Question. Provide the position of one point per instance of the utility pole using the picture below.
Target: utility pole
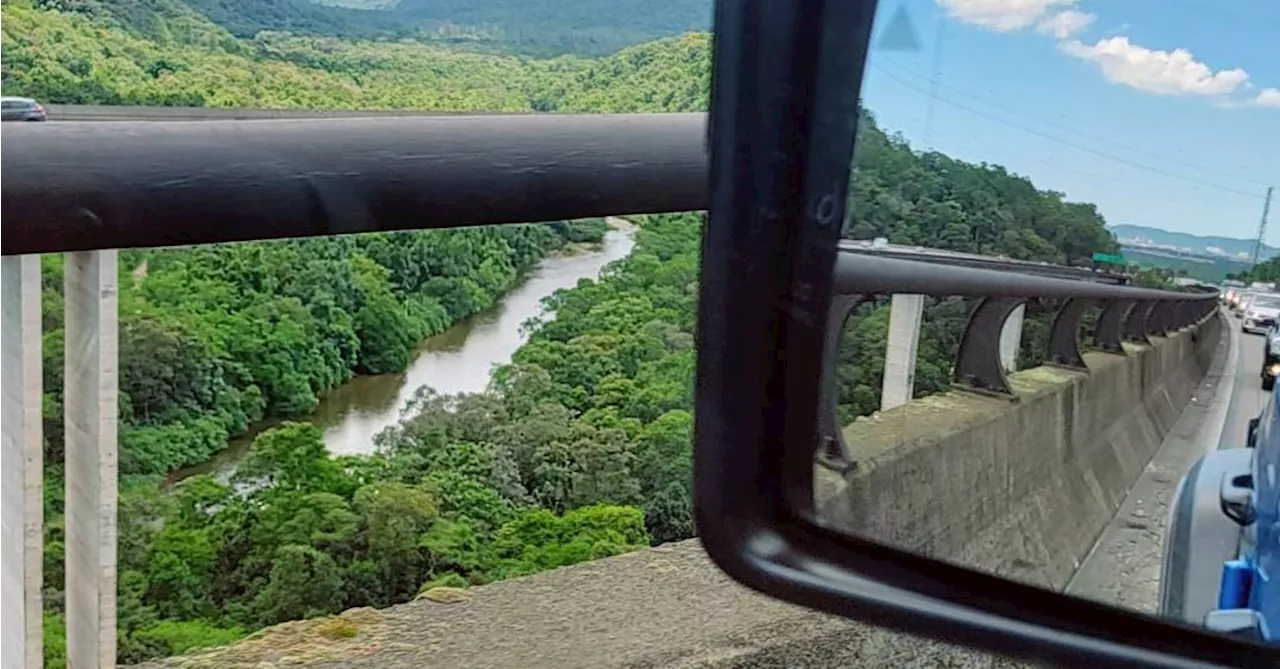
(1262, 229)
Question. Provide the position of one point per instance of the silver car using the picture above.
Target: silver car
(21, 109)
(1260, 313)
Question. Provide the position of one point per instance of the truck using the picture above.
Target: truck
(1221, 563)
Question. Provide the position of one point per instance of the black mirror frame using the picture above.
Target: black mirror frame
(782, 128)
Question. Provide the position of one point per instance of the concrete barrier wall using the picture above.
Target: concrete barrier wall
(1018, 488)
(1021, 488)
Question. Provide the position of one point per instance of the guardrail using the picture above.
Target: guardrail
(1128, 314)
(79, 186)
(90, 188)
(939, 256)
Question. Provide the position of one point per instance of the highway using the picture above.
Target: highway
(1247, 397)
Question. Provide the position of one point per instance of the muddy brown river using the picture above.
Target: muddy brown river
(459, 359)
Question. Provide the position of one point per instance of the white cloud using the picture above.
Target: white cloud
(1269, 97)
(1174, 72)
(1065, 24)
(1002, 15)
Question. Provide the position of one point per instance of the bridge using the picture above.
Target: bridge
(1055, 475)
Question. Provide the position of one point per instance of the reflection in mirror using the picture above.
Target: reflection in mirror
(1019, 384)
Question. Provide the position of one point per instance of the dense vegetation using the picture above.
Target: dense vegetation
(176, 58)
(1209, 271)
(1267, 271)
(215, 338)
(532, 27)
(581, 446)
(471, 489)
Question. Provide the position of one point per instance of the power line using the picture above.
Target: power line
(1217, 10)
(1262, 229)
(1148, 153)
(930, 111)
(1064, 142)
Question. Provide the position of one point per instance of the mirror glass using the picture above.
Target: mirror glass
(1089, 433)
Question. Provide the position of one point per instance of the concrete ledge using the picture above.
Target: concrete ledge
(667, 607)
(1018, 488)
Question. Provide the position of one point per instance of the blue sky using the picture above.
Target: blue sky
(1162, 112)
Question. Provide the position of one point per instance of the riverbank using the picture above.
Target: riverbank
(457, 360)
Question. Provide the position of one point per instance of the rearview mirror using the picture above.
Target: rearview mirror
(971, 515)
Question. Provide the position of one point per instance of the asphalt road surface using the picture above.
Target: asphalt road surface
(1247, 398)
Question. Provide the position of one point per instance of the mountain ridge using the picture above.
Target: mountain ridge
(1230, 245)
(538, 28)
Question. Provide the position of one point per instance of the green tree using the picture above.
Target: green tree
(304, 583)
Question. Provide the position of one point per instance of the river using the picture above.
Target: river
(459, 359)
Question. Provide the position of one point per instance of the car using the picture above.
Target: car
(1239, 302)
(1271, 358)
(21, 109)
(1260, 313)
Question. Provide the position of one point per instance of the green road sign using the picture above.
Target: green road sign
(1109, 259)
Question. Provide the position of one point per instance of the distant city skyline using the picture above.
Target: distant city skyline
(1207, 249)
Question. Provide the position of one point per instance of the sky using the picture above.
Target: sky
(1164, 113)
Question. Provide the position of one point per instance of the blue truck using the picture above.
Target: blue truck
(1222, 552)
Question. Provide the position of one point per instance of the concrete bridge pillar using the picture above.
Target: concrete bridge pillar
(22, 465)
(91, 370)
(899, 381)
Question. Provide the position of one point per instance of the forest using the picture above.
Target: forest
(128, 54)
(1267, 271)
(581, 446)
(543, 28)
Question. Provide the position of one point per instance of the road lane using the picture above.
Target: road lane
(1248, 397)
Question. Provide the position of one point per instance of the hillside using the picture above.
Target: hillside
(171, 57)
(160, 52)
(1231, 245)
(531, 27)
(552, 26)
(1209, 271)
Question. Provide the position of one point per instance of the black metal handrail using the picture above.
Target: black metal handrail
(1128, 314)
(84, 186)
